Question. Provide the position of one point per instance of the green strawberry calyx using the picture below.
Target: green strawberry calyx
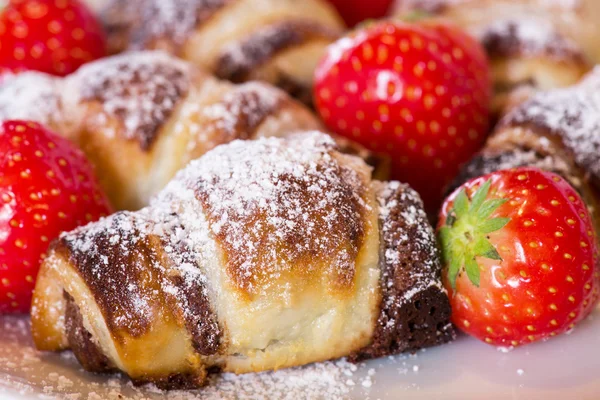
(464, 237)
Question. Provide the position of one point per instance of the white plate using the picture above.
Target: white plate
(565, 368)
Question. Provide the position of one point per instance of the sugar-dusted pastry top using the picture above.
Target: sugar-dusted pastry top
(275, 41)
(158, 24)
(571, 114)
(259, 228)
(31, 96)
(146, 22)
(134, 95)
(142, 116)
(140, 89)
(263, 254)
(528, 36)
(510, 28)
(274, 207)
(124, 258)
(436, 6)
(238, 114)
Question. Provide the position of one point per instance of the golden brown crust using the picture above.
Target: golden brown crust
(568, 119)
(80, 340)
(238, 61)
(441, 6)
(261, 235)
(226, 266)
(119, 266)
(141, 92)
(278, 41)
(155, 24)
(124, 270)
(141, 116)
(522, 37)
(242, 110)
(245, 111)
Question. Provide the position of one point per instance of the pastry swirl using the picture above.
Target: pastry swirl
(277, 41)
(533, 45)
(557, 130)
(260, 255)
(142, 116)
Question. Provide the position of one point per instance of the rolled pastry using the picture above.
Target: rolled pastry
(532, 44)
(142, 116)
(260, 255)
(558, 130)
(277, 41)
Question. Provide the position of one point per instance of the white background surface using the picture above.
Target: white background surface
(565, 368)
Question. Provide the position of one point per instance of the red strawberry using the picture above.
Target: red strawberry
(521, 256)
(355, 11)
(46, 186)
(53, 36)
(419, 92)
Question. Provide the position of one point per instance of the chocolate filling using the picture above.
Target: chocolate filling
(141, 95)
(237, 63)
(124, 273)
(151, 24)
(80, 340)
(246, 107)
(508, 42)
(415, 310)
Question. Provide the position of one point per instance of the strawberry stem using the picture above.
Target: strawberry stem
(464, 236)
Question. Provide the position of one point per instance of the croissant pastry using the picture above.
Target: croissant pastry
(558, 131)
(141, 117)
(260, 255)
(532, 44)
(277, 41)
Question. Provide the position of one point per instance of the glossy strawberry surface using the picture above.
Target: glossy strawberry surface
(355, 11)
(52, 36)
(521, 256)
(47, 186)
(418, 92)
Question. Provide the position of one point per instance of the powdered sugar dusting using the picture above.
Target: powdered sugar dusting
(415, 311)
(277, 205)
(236, 116)
(440, 5)
(414, 230)
(58, 377)
(248, 102)
(528, 35)
(170, 20)
(572, 113)
(140, 89)
(273, 206)
(31, 96)
(112, 253)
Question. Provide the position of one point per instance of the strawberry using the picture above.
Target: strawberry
(46, 186)
(520, 255)
(52, 36)
(355, 11)
(419, 92)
